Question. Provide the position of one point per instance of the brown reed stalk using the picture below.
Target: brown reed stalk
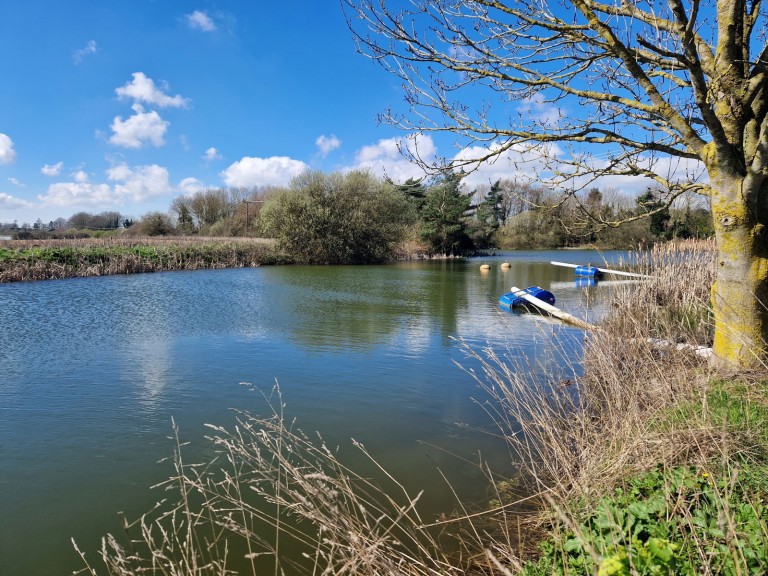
(576, 439)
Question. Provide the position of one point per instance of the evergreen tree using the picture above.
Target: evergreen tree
(593, 206)
(444, 216)
(414, 191)
(489, 216)
(657, 222)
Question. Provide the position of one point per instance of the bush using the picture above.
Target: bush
(153, 224)
(352, 218)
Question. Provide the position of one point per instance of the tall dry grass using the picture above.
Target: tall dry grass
(578, 430)
(638, 405)
(674, 303)
(277, 500)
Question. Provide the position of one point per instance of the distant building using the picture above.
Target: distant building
(6, 238)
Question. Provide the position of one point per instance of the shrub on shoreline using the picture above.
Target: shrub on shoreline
(353, 218)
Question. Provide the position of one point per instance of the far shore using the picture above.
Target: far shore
(29, 260)
(53, 259)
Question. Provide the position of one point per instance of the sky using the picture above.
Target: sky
(122, 105)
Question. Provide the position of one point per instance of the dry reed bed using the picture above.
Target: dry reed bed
(577, 440)
(601, 426)
(674, 304)
(56, 259)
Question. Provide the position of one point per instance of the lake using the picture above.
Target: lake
(92, 370)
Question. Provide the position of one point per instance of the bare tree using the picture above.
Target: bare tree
(520, 196)
(209, 206)
(657, 87)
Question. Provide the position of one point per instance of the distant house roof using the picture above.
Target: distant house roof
(6, 238)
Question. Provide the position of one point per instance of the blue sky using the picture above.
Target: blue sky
(123, 105)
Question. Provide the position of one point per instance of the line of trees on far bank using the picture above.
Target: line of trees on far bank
(356, 217)
(79, 225)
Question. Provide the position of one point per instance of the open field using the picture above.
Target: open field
(25, 260)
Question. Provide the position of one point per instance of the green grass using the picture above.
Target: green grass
(689, 519)
(738, 408)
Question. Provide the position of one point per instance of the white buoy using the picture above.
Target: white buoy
(506, 265)
(485, 266)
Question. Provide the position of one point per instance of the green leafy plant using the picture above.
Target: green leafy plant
(683, 520)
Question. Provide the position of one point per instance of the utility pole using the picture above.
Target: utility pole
(247, 205)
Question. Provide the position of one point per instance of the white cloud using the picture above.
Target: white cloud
(668, 167)
(139, 129)
(52, 170)
(190, 185)
(386, 158)
(143, 89)
(184, 141)
(211, 154)
(417, 145)
(7, 153)
(520, 162)
(90, 48)
(140, 183)
(327, 144)
(273, 171)
(16, 182)
(119, 171)
(201, 20)
(8, 202)
(539, 163)
(537, 110)
(78, 193)
(524, 162)
(131, 184)
(383, 150)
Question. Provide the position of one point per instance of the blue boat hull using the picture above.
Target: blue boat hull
(511, 300)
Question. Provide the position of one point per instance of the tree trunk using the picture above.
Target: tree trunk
(740, 293)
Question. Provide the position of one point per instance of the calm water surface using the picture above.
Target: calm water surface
(92, 371)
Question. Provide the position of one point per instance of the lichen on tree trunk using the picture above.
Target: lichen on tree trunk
(740, 293)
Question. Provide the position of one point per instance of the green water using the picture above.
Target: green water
(92, 371)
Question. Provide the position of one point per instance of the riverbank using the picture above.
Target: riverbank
(26, 260)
